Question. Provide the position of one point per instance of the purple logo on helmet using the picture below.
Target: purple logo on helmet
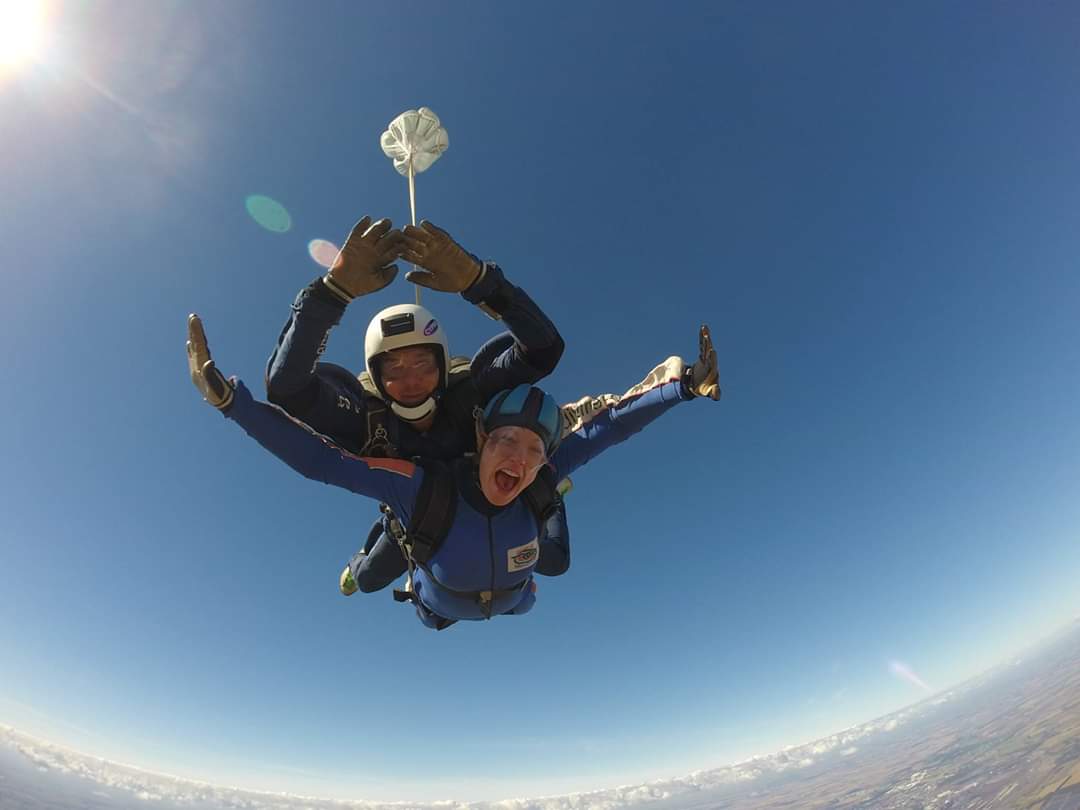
(431, 328)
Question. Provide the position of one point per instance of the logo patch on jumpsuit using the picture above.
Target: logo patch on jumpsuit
(521, 557)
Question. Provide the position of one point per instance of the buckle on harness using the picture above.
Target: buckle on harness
(393, 525)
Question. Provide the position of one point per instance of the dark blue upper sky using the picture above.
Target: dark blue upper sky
(875, 208)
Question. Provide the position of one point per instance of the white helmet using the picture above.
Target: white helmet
(399, 327)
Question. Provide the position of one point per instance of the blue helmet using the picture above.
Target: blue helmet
(528, 407)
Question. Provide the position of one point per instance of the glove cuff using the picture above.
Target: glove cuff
(479, 276)
(687, 381)
(491, 292)
(339, 292)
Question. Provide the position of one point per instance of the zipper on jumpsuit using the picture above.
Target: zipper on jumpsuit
(491, 551)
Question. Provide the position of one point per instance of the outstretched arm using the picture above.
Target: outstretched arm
(309, 453)
(594, 424)
(613, 422)
(448, 267)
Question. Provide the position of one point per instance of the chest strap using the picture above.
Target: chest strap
(378, 443)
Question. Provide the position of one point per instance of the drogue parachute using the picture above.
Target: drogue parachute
(414, 140)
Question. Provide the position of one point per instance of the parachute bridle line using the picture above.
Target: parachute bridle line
(412, 211)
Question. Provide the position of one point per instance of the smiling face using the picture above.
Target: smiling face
(509, 460)
(410, 375)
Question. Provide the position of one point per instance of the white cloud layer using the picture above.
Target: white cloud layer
(151, 787)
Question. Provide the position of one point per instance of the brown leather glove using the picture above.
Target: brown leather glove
(364, 264)
(449, 267)
(703, 378)
(211, 383)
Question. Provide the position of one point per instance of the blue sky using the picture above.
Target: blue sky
(874, 207)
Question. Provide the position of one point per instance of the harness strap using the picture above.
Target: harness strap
(433, 511)
(540, 496)
(459, 400)
(440, 622)
(378, 443)
(483, 597)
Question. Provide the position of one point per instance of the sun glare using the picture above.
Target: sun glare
(22, 32)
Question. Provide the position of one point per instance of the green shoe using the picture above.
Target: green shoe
(347, 582)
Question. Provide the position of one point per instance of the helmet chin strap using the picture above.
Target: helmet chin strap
(416, 412)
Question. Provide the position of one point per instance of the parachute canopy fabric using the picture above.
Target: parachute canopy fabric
(415, 136)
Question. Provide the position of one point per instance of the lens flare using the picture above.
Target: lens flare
(322, 252)
(903, 671)
(22, 32)
(268, 213)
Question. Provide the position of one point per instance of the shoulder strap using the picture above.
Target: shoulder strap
(459, 365)
(433, 511)
(460, 397)
(540, 495)
(368, 384)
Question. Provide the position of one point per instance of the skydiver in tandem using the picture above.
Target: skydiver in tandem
(470, 541)
(414, 399)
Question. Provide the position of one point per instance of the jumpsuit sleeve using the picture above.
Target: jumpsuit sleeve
(296, 380)
(314, 456)
(531, 348)
(614, 424)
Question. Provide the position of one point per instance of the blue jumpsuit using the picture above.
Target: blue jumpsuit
(332, 401)
(488, 549)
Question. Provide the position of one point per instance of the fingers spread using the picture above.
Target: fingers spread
(392, 237)
(378, 230)
(360, 226)
(390, 247)
(414, 255)
(432, 228)
(415, 238)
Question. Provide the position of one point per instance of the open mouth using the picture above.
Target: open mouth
(506, 481)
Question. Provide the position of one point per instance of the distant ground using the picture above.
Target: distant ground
(1008, 739)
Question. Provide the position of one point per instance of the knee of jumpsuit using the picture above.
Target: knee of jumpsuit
(374, 533)
(381, 566)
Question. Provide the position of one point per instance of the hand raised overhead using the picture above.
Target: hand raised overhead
(447, 266)
(365, 263)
